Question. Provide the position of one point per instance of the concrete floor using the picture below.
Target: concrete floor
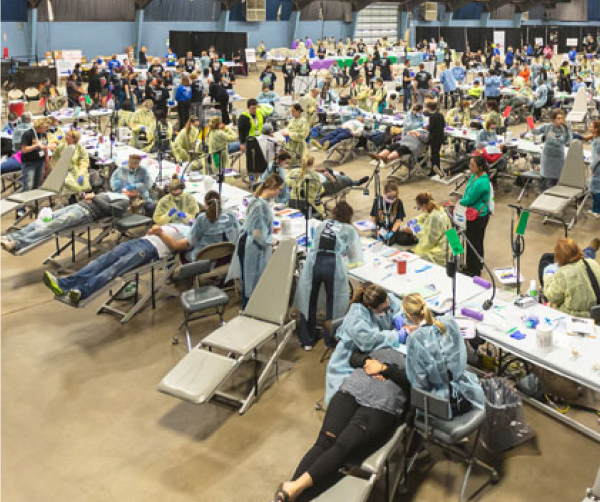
(82, 420)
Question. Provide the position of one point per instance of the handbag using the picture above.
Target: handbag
(595, 310)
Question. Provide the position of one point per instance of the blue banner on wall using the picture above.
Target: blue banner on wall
(13, 10)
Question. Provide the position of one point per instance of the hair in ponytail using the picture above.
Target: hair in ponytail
(415, 305)
(370, 295)
(425, 199)
(212, 205)
(272, 181)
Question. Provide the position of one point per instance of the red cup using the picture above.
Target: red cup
(401, 267)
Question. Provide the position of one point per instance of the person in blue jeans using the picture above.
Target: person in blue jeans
(92, 208)
(159, 242)
(33, 154)
(349, 129)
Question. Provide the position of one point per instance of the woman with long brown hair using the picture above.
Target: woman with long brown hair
(212, 226)
(256, 240)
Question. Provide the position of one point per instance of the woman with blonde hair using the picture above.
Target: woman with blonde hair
(220, 137)
(436, 357)
(256, 240)
(306, 184)
(78, 176)
(430, 228)
(186, 140)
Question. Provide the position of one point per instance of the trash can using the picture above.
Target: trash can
(505, 424)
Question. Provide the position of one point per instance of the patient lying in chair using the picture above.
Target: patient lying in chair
(92, 208)
(159, 243)
(350, 129)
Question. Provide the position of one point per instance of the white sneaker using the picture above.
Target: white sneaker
(590, 212)
(7, 244)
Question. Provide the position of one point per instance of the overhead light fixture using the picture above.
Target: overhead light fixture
(50, 11)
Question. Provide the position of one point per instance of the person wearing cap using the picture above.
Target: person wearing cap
(134, 181)
(186, 141)
(176, 206)
(267, 96)
(78, 176)
(221, 142)
(143, 126)
(34, 151)
(297, 132)
(310, 104)
(250, 122)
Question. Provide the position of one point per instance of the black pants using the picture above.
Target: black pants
(323, 273)
(347, 426)
(450, 95)
(289, 85)
(224, 105)
(183, 110)
(476, 234)
(435, 153)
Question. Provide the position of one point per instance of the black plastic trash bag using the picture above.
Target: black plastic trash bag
(505, 425)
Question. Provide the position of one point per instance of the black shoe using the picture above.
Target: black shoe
(361, 181)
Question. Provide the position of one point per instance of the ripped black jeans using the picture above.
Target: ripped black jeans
(346, 427)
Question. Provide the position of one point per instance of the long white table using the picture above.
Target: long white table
(574, 357)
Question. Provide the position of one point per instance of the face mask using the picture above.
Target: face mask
(388, 200)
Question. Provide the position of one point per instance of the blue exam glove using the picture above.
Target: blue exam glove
(412, 222)
(417, 229)
(172, 211)
(181, 214)
(402, 335)
(143, 128)
(131, 188)
(80, 179)
(399, 321)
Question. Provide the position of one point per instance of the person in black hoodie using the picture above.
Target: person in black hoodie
(219, 94)
(436, 127)
(385, 68)
(355, 68)
(288, 76)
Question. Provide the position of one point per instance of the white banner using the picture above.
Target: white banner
(499, 39)
(571, 42)
(539, 41)
(64, 68)
(250, 55)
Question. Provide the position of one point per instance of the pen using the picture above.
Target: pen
(386, 277)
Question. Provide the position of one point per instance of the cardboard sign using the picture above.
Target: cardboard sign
(250, 55)
(455, 244)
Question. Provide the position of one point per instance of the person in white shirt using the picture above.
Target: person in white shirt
(267, 143)
(350, 129)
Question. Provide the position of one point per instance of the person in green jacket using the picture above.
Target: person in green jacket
(143, 126)
(297, 132)
(176, 206)
(78, 176)
(186, 142)
(570, 289)
(476, 199)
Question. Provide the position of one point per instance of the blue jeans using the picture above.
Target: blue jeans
(31, 174)
(407, 99)
(97, 274)
(61, 220)
(596, 202)
(335, 136)
(10, 165)
(234, 147)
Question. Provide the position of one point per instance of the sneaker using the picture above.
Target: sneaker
(74, 296)
(307, 348)
(361, 181)
(316, 144)
(7, 244)
(51, 283)
(439, 171)
(590, 212)
(325, 145)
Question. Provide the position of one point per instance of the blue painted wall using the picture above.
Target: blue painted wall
(113, 37)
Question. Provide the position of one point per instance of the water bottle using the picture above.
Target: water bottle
(533, 292)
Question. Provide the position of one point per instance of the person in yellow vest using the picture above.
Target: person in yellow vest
(220, 137)
(310, 103)
(361, 92)
(250, 122)
(296, 134)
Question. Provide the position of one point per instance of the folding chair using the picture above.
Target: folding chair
(30, 200)
(434, 422)
(163, 267)
(342, 152)
(200, 375)
(579, 112)
(571, 189)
